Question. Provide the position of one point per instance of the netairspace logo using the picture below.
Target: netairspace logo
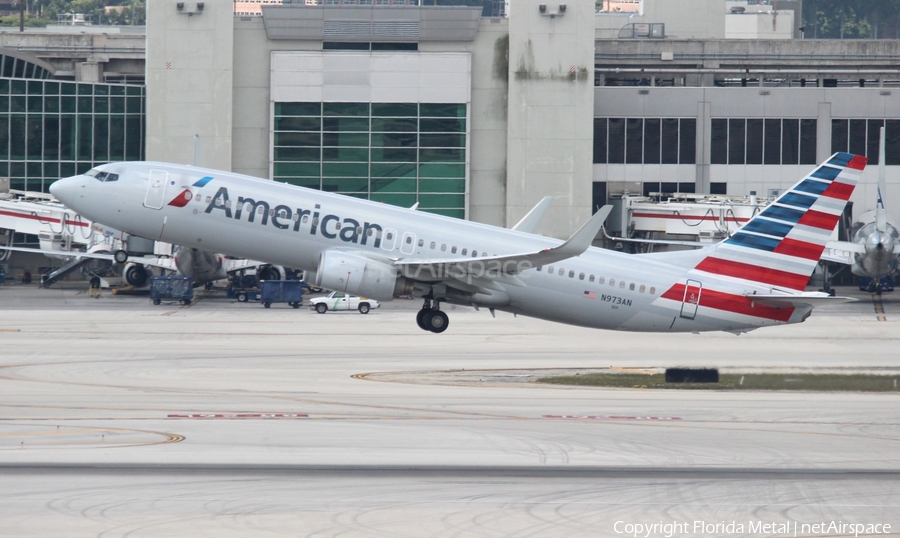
(730, 528)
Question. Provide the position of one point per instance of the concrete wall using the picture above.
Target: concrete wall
(190, 83)
(551, 100)
(778, 25)
(687, 18)
(823, 104)
(488, 118)
(252, 73)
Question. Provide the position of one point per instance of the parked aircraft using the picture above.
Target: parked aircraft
(753, 279)
(875, 246)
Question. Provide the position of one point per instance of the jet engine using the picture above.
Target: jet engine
(359, 275)
(136, 275)
(271, 272)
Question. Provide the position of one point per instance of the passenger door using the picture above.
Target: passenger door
(691, 299)
(156, 189)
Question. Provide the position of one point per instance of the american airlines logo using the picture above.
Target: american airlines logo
(285, 217)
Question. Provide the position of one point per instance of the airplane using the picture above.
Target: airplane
(875, 246)
(755, 278)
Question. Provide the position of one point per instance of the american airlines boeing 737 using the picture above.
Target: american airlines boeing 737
(753, 279)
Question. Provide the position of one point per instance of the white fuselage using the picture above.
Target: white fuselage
(292, 226)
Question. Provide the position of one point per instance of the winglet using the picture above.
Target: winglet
(532, 219)
(584, 237)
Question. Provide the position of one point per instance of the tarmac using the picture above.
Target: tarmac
(120, 418)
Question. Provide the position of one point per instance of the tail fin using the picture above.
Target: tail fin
(781, 246)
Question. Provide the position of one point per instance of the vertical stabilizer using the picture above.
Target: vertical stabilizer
(781, 246)
(880, 216)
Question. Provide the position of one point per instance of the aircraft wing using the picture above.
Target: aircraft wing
(810, 298)
(484, 270)
(155, 261)
(841, 251)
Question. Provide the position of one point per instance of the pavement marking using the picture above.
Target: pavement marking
(9, 330)
(238, 416)
(608, 417)
(879, 307)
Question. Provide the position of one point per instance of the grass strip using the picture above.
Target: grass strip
(814, 382)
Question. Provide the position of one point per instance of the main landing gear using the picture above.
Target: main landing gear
(431, 318)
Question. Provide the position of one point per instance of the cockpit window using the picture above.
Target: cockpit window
(105, 177)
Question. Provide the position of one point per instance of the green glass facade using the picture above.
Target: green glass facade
(397, 153)
(51, 129)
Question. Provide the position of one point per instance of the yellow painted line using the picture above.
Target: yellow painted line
(879, 308)
(63, 432)
(632, 370)
(9, 330)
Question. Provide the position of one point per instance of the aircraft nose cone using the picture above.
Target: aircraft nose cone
(64, 189)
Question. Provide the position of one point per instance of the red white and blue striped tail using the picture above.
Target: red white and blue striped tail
(781, 246)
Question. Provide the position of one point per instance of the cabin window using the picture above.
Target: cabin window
(601, 280)
(474, 253)
(538, 268)
(464, 251)
(227, 202)
(368, 232)
(612, 281)
(580, 276)
(550, 270)
(408, 240)
(208, 199)
(453, 250)
(591, 279)
(315, 221)
(652, 290)
(631, 286)
(643, 288)
(421, 242)
(359, 230)
(296, 217)
(271, 212)
(571, 274)
(443, 248)
(261, 210)
(433, 245)
(337, 225)
(562, 272)
(622, 284)
(389, 236)
(306, 219)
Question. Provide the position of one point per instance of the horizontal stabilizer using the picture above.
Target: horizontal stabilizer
(812, 298)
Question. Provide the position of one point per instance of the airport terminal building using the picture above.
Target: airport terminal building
(467, 115)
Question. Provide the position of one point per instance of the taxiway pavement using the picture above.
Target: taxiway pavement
(119, 418)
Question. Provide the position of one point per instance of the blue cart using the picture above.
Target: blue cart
(172, 288)
(281, 291)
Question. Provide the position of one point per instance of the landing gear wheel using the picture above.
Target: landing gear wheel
(420, 318)
(321, 308)
(363, 308)
(436, 321)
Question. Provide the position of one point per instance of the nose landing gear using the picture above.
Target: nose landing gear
(431, 318)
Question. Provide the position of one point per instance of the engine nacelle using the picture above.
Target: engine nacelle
(136, 275)
(271, 272)
(358, 275)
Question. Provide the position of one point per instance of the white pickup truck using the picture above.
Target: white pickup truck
(341, 301)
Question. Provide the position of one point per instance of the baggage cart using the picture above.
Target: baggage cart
(281, 291)
(172, 288)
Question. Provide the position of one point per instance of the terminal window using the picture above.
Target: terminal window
(52, 129)
(861, 136)
(645, 140)
(763, 141)
(397, 153)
